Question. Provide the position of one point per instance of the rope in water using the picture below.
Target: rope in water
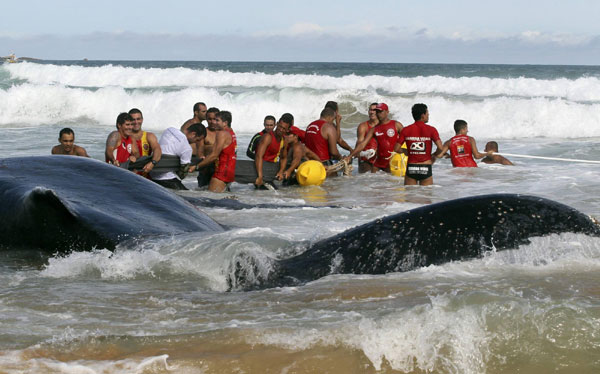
(548, 158)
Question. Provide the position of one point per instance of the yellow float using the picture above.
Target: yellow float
(311, 173)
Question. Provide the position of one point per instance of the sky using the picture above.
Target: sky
(415, 31)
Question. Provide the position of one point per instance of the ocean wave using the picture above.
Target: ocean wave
(580, 89)
(31, 104)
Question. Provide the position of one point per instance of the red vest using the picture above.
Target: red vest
(272, 151)
(315, 141)
(387, 137)
(123, 151)
(461, 153)
(225, 168)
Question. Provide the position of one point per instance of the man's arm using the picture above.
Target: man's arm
(331, 137)
(475, 151)
(343, 144)
(55, 150)
(112, 142)
(80, 151)
(264, 142)
(441, 151)
(156, 152)
(221, 139)
(361, 145)
(439, 147)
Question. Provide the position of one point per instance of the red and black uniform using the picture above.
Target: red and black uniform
(419, 138)
(123, 151)
(272, 151)
(461, 153)
(225, 169)
(386, 136)
(315, 141)
(300, 133)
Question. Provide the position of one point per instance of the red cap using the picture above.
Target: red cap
(381, 106)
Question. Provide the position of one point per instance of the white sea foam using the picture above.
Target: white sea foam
(581, 89)
(499, 117)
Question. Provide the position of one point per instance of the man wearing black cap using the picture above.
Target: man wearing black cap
(386, 134)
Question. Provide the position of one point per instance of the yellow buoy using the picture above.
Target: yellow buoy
(311, 173)
(398, 163)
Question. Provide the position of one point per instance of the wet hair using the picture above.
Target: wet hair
(459, 124)
(270, 117)
(197, 128)
(122, 118)
(418, 110)
(333, 105)
(67, 131)
(225, 116)
(197, 106)
(327, 112)
(135, 111)
(287, 118)
(493, 145)
(370, 105)
(212, 110)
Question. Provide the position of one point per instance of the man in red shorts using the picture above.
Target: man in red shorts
(419, 139)
(223, 154)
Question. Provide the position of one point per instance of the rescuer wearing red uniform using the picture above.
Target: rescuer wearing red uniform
(462, 147)
(386, 134)
(419, 139)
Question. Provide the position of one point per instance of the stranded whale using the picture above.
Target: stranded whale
(434, 234)
(64, 203)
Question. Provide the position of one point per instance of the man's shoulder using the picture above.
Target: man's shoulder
(57, 149)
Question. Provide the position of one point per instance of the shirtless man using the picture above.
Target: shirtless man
(223, 154)
(495, 159)
(338, 125)
(462, 147)
(419, 138)
(299, 152)
(387, 135)
(321, 138)
(66, 138)
(366, 164)
(119, 147)
(199, 116)
(205, 146)
(147, 142)
(269, 149)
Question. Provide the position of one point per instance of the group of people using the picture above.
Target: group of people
(211, 149)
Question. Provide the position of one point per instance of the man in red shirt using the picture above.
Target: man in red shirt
(462, 147)
(419, 138)
(386, 134)
(270, 149)
(119, 146)
(321, 138)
